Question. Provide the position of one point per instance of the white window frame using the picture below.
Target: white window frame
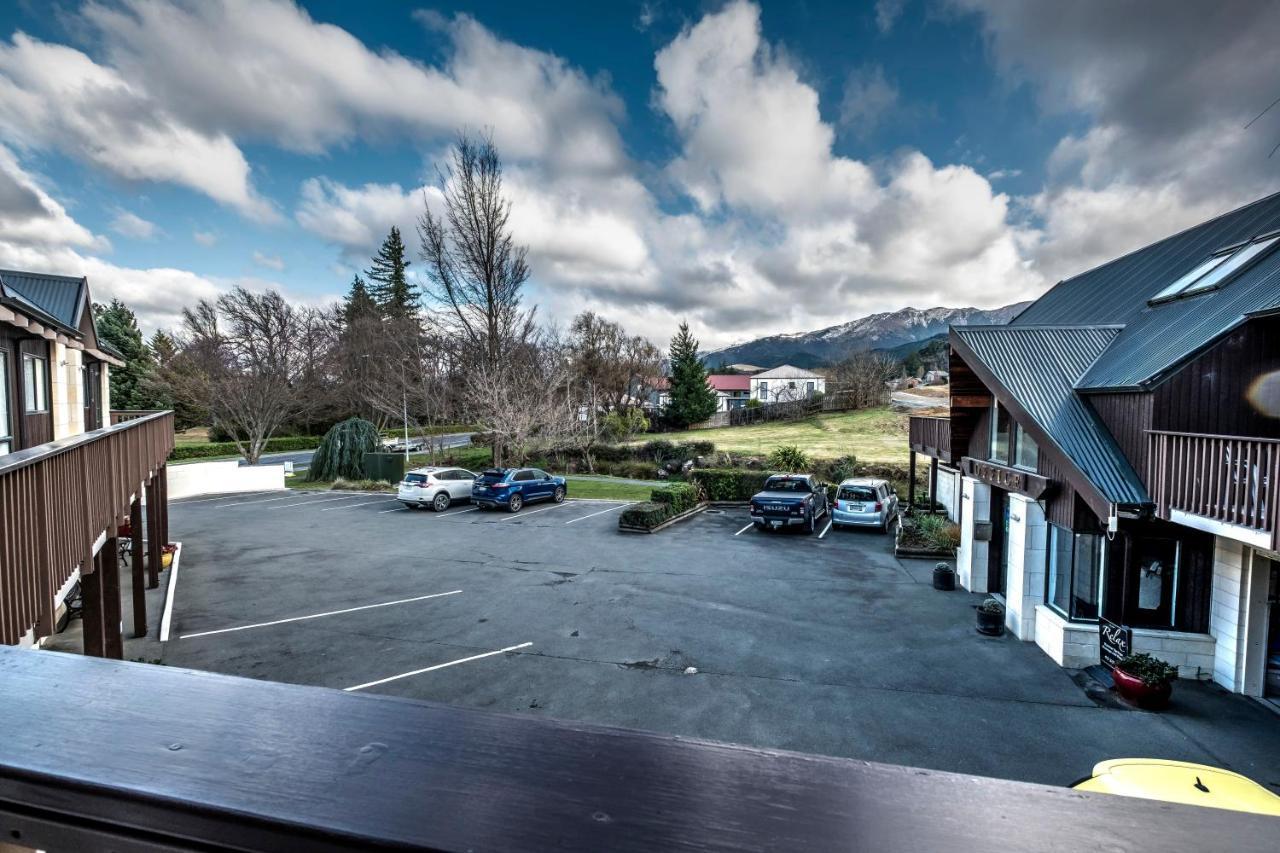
(35, 389)
(6, 410)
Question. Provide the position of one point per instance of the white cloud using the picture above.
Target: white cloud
(29, 216)
(271, 262)
(55, 97)
(208, 239)
(867, 97)
(888, 12)
(129, 224)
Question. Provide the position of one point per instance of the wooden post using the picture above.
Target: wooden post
(911, 483)
(933, 481)
(153, 534)
(91, 618)
(136, 568)
(109, 570)
(163, 506)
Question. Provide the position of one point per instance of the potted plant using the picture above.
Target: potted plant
(1145, 681)
(990, 618)
(166, 555)
(944, 577)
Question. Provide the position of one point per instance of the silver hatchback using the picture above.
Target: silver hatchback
(865, 502)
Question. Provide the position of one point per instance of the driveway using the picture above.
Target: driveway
(827, 645)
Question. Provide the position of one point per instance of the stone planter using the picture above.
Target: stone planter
(990, 622)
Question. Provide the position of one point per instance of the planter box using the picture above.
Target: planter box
(625, 528)
(919, 553)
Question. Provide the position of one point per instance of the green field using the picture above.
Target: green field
(872, 435)
(608, 490)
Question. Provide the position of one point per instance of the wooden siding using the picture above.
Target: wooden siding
(930, 436)
(1127, 416)
(1210, 394)
(970, 402)
(34, 429)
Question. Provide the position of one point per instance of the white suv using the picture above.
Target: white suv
(435, 487)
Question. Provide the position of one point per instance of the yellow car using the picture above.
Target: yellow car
(1180, 782)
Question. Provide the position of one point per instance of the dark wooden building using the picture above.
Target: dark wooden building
(1120, 449)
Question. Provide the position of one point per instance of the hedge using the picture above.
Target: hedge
(678, 496)
(728, 484)
(228, 448)
(646, 515)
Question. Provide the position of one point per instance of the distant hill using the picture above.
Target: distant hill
(892, 330)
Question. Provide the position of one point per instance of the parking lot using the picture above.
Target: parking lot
(824, 644)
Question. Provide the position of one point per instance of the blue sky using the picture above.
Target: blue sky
(753, 168)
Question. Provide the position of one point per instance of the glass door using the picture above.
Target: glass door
(998, 554)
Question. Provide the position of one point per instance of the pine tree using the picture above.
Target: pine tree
(358, 302)
(692, 400)
(118, 326)
(389, 286)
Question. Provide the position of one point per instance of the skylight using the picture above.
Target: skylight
(1211, 272)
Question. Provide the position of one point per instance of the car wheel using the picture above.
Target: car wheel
(441, 502)
(515, 503)
(558, 496)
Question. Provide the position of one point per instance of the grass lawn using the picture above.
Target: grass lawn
(607, 490)
(873, 435)
(195, 435)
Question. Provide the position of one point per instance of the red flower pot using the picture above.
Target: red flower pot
(1139, 692)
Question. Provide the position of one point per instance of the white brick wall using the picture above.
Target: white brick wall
(1226, 616)
(949, 491)
(1070, 644)
(1025, 581)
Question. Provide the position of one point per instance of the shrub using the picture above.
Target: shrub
(1153, 671)
(841, 469)
(228, 448)
(657, 450)
(678, 496)
(930, 531)
(753, 403)
(361, 485)
(341, 451)
(619, 426)
(790, 459)
(646, 515)
(728, 484)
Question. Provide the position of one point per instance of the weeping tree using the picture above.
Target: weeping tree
(341, 451)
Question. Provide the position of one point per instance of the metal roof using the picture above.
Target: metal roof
(786, 371)
(1040, 366)
(58, 296)
(1157, 338)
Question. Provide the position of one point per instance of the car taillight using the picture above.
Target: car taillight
(877, 506)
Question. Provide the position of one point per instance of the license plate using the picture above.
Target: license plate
(775, 524)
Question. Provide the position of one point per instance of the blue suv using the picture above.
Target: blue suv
(514, 487)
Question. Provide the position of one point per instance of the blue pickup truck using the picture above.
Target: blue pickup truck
(789, 500)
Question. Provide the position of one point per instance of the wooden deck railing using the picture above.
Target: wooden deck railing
(931, 436)
(1226, 478)
(119, 416)
(57, 499)
(109, 755)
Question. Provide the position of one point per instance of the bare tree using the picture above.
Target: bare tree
(861, 378)
(246, 359)
(522, 400)
(474, 268)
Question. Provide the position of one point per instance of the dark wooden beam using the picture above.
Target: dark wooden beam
(153, 533)
(109, 570)
(137, 571)
(933, 480)
(199, 760)
(92, 617)
(911, 482)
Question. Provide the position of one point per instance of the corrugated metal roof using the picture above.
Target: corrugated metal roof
(1158, 337)
(729, 381)
(59, 296)
(1040, 366)
(787, 371)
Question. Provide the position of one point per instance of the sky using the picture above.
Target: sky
(752, 168)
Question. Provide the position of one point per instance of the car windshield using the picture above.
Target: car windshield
(786, 484)
(857, 493)
(491, 477)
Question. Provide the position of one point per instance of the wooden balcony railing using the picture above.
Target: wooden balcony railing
(57, 499)
(119, 416)
(108, 755)
(1220, 477)
(931, 436)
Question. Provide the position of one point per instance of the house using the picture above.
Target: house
(1117, 448)
(732, 390)
(786, 383)
(71, 478)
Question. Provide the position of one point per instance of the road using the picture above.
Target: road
(301, 459)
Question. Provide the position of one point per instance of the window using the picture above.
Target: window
(1152, 594)
(6, 427)
(539, 474)
(1026, 451)
(1000, 434)
(809, 387)
(1075, 573)
(1211, 272)
(35, 377)
(522, 476)
(764, 390)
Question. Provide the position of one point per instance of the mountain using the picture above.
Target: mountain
(887, 331)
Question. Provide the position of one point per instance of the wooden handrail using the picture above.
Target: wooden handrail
(101, 753)
(119, 416)
(56, 499)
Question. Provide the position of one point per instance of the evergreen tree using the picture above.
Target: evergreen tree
(358, 302)
(118, 326)
(692, 400)
(389, 286)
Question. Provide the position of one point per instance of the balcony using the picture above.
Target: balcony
(931, 436)
(1219, 479)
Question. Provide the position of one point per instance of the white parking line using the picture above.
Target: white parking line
(312, 503)
(226, 497)
(745, 529)
(166, 617)
(534, 512)
(394, 509)
(271, 501)
(352, 506)
(318, 615)
(437, 666)
(824, 530)
(601, 512)
(459, 512)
